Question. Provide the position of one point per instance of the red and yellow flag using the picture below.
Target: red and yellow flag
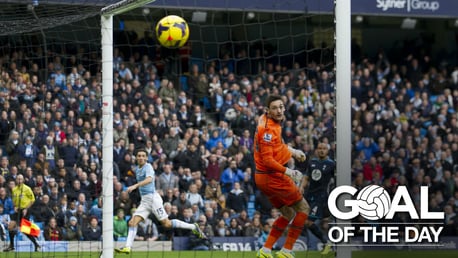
(29, 228)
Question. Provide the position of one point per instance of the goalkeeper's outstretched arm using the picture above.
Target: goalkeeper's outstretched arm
(297, 154)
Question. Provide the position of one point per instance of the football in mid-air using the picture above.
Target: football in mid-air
(172, 31)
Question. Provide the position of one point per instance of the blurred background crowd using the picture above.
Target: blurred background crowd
(198, 129)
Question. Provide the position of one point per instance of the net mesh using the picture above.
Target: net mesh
(252, 43)
(26, 17)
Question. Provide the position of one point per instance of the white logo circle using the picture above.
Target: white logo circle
(316, 174)
(374, 202)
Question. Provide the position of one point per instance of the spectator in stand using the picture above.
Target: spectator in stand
(234, 229)
(72, 230)
(42, 209)
(368, 146)
(81, 200)
(243, 219)
(236, 199)
(52, 231)
(221, 228)
(6, 201)
(170, 143)
(234, 148)
(213, 190)
(246, 140)
(193, 158)
(4, 220)
(167, 180)
(4, 166)
(247, 185)
(214, 166)
(75, 190)
(253, 229)
(120, 227)
(215, 138)
(28, 151)
(182, 202)
(382, 111)
(96, 209)
(372, 170)
(60, 135)
(69, 153)
(41, 164)
(5, 128)
(231, 175)
(87, 186)
(169, 196)
(194, 197)
(59, 78)
(81, 214)
(147, 231)
(51, 152)
(198, 117)
(123, 202)
(124, 72)
(93, 231)
(167, 92)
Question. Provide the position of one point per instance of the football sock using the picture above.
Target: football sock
(295, 230)
(131, 236)
(277, 230)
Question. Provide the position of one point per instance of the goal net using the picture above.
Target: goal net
(244, 42)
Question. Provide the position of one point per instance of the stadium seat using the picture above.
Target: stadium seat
(184, 82)
(423, 132)
(251, 209)
(251, 212)
(198, 62)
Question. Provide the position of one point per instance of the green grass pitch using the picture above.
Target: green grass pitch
(232, 254)
(157, 254)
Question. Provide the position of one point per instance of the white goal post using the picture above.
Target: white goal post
(107, 14)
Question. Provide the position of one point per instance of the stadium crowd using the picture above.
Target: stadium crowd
(199, 135)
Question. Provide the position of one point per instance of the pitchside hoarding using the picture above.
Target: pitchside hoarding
(411, 8)
(421, 8)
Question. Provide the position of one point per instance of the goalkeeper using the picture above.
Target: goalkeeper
(276, 181)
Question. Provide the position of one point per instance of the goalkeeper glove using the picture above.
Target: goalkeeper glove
(295, 175)
(297, 154)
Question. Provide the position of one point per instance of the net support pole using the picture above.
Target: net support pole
(107, 14)
(107, 124)
(343, 102)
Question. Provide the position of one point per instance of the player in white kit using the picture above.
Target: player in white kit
(151, 202)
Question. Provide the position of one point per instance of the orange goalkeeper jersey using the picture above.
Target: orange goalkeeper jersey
(270, 152)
